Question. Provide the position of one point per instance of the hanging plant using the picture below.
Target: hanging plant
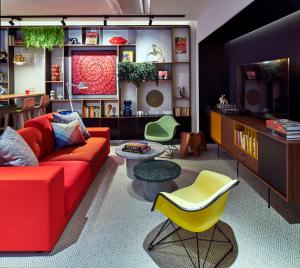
(137, 72)
(43, 37)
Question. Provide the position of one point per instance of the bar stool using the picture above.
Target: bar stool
(41, 108)
(22, 114)
(4, 114)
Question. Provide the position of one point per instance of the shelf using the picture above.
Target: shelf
(172, 62)
(98, 99)
(54, 81)
(4, 82)
(181, 62)
(184, 98)
(99, 45)
(64, 100)
(245, 139)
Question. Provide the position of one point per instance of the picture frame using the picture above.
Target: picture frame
(91, 38)
(127, 55)
(180, 45)
(111, 109)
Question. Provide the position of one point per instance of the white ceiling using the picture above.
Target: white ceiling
(190, 8)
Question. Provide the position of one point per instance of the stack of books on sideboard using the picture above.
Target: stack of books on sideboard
(288, 129)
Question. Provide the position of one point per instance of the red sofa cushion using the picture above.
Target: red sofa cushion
(76, 178)
(33, 137)
(43, 123)
(92, 152)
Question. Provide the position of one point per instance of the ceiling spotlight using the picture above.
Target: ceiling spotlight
(63, 21)
(150, 20)
(11, 22)
(105, 21)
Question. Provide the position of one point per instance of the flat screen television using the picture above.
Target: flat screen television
(266, 88)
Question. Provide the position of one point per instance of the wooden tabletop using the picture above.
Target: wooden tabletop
(18, 96)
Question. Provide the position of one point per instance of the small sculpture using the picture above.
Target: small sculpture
(3, 56)
(223, 99)
(3, 90)
(114, 111)
(181, 92)
(74, 41)
(52, 95)
(154, 53)
(109, 110)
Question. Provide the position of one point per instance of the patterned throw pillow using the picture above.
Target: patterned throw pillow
(65, 119)
(14, 151)
(67, 134)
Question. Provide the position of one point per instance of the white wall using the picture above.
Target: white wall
(31, 74)
(212, 17)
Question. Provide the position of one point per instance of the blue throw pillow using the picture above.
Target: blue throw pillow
(67, 134)
(65, 119)
(14, 150)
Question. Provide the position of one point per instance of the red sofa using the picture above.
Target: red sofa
(36, 203)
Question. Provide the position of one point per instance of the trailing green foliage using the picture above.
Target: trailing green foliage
(43, 37)
(137, 72)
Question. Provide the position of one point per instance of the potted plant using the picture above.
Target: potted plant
(43, 37)
(137, 72)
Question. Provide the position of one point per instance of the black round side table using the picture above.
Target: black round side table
(157, 176)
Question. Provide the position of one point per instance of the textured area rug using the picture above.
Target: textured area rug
(113, 226)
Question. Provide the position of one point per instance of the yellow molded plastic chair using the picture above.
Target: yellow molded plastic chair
(195, 208)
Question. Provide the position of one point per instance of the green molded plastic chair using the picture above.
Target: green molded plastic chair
(162, 131)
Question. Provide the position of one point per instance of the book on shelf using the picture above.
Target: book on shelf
(283, 125)
(177, 111)
(246, 142)
(91, 38)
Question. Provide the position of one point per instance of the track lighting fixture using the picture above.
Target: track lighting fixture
(63, 21)
(11, 22)
(105, 21)
(150, 20)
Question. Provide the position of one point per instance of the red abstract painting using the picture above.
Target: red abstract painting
(96, 68)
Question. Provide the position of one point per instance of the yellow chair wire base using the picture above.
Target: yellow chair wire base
(154, 244)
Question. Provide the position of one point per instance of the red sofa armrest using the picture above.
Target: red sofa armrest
(102, 132)
(32, 207)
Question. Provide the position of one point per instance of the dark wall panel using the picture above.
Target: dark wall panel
(280, 39)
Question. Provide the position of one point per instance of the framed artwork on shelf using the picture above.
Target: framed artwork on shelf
(127, 55)
(163, 74)
(91, 38)
(97, 68)
(111, 109)
(180, 45)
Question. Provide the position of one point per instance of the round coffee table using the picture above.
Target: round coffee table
(132, 159)
(157, 176)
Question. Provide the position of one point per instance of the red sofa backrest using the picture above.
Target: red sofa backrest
(43, 143)
(34, 139)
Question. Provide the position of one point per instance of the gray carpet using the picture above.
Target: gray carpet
(113, 226)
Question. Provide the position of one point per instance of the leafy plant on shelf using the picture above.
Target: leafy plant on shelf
(43, 37)
(137, 72)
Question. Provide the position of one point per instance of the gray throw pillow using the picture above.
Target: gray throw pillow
(14, 151)
(68, 118)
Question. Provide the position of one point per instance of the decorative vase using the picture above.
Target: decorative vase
(52, 95)
(127, 108)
